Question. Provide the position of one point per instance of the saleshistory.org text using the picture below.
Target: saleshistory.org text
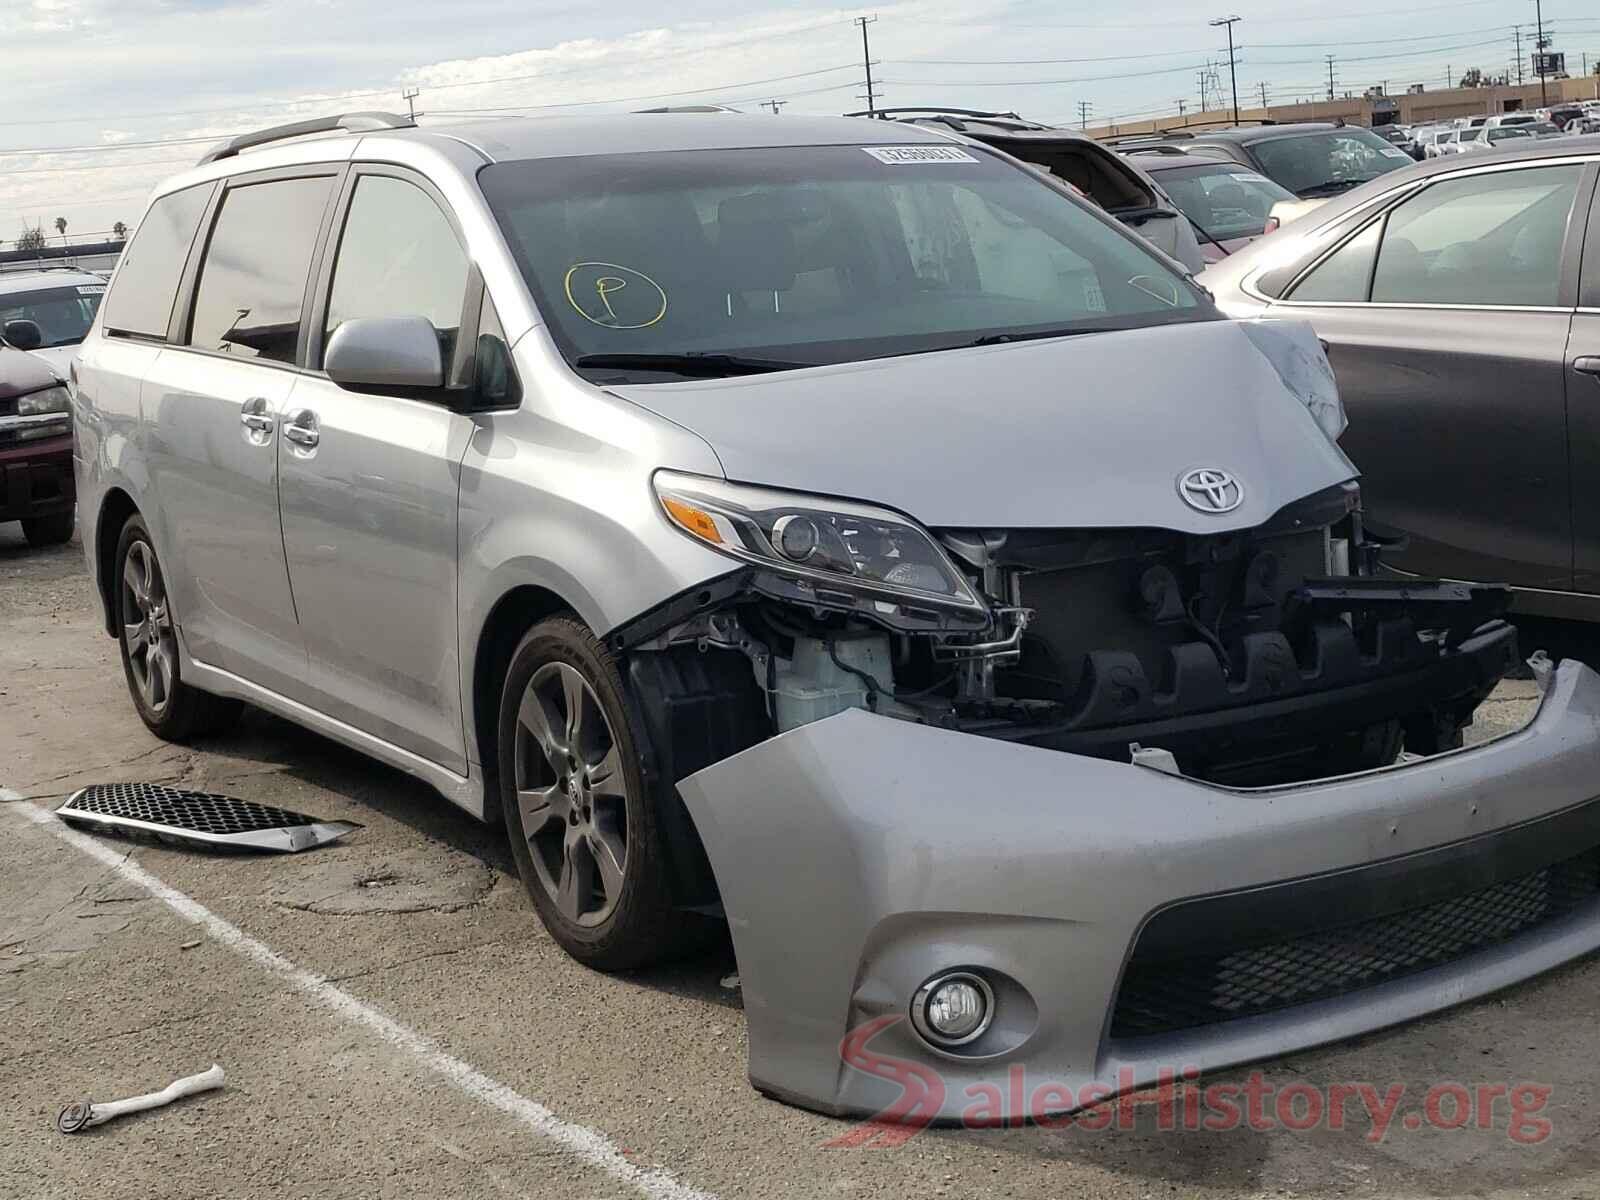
(1181, 1102)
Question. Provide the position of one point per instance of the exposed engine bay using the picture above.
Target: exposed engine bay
(1266, 655)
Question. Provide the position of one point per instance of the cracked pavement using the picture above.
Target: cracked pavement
(106, 992)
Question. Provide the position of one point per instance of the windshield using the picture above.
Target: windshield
(1506, 132)
(1329, 161)
(818, 254)
(63, 314)
(1224, 200)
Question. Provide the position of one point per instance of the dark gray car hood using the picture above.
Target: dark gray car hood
(1093, 430)
(22, 373)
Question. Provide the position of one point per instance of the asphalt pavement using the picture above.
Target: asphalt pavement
(394, 1022)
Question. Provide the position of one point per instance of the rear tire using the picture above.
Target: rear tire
(148, 639)
(583, 827)
(50, 531)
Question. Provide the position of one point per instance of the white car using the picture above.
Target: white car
(49, 312)
(1494, 137)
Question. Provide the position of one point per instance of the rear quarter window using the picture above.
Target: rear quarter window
(140, 301)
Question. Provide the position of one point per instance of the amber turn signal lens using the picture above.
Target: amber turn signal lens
(693, 519)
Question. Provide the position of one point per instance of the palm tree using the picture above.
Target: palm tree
(121, 231)
(61, 228)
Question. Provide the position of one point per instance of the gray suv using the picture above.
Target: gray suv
(837, 528)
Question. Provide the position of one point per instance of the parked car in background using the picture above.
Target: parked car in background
(1434, 145)
(36, 479)
(1589, 123)
(1399, 137)
(1465, 334)
(1312, 160)
(1511, 118)
(1085, 164)
(1543, 129)
(1560, 114)
(1228, 204)
(48, 312)
(1493, 137)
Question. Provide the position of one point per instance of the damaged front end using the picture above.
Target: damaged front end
(1252, 656)
(913, 768)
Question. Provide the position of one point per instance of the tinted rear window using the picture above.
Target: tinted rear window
(147, 278)
(253, 281)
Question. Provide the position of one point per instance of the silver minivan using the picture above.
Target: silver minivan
(839, 530)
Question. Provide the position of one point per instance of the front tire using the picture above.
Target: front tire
(170, 708)
(582, 825)
(50, 531)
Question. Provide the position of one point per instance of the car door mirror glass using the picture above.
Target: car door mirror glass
(23, 335)
(400, 352)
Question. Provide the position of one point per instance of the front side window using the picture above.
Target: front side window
(1480, 239)
(1327, 162)
(398, 257)
(63, 314)
(816, 254)
(147, 275)
(252, 283)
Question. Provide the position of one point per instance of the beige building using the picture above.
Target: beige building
(1407, 108)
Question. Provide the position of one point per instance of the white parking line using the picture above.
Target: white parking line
(589, 1146)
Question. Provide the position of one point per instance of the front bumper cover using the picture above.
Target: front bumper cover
(859, 855)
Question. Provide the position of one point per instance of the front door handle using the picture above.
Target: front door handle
(257, 421)
(1589, 364)
(302, 428)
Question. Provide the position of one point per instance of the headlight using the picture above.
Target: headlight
(816, 539)
(47, 400)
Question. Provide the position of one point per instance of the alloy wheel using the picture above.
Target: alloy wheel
(572, 794)
(147, 633)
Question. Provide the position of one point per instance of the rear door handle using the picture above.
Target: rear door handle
(302, 428)
(1589, 364)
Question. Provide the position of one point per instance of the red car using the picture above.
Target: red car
(36, 484)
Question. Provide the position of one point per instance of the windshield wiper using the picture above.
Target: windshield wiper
(999, 339)
(691, 363)
(1329, 188)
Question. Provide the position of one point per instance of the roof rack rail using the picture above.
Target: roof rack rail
(1161, 148)
(354, 122)
(1153, 138)
(936, 109)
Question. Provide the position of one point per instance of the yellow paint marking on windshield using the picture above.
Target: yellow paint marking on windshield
(599, 293)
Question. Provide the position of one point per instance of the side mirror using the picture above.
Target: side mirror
(385, 352)
(24, 335)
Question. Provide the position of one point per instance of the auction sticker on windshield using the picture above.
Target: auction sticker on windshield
(902, 156)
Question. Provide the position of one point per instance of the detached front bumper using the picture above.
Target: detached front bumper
(859, 855)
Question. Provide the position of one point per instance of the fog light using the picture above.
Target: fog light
(953, 1009)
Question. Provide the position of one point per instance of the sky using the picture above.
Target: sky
(103, 98)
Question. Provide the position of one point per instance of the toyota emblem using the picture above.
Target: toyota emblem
(1210, 490)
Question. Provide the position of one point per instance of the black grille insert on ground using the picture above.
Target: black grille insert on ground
(196, 818)
(1223, 984)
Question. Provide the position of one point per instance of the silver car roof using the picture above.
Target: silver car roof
(14, 282)
(470, 145)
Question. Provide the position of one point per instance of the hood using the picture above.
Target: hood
(23, 373)
(1085, 431)
(59, 357)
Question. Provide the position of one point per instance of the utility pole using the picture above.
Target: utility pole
(1539, 50)
(1330, 76)
(774, 105)
(1202, 79)
(1233, 77)
(410, 97)
(1516, 32)
(1084, 106)
(866, 61)
(1263, 86)
(1447, 83)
